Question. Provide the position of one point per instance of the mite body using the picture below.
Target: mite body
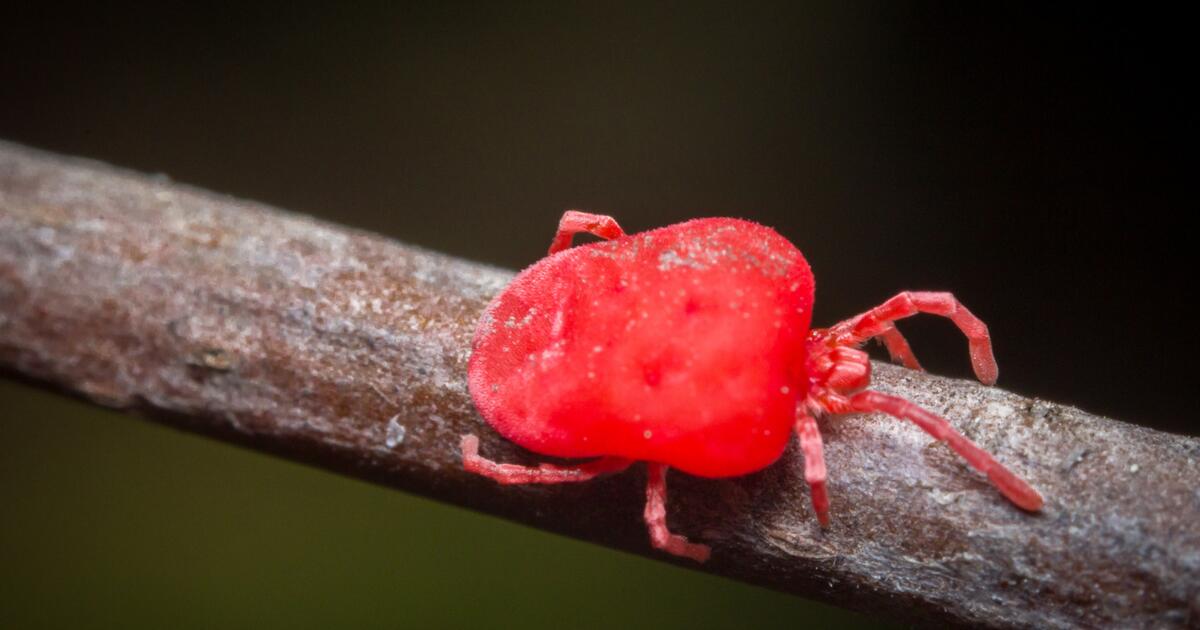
(688, 346)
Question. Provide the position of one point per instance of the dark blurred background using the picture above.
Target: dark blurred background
(1030, 160)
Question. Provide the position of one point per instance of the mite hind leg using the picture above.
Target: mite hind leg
(573, 222)
(544, 473)
(656, 518)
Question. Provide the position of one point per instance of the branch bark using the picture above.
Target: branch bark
(348, 351)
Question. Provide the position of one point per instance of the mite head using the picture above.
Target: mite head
(840, 369)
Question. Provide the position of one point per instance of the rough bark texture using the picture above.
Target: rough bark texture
(348, 351)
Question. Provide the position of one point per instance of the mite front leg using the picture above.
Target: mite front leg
(545, 473)
(877, 322)
(574, 222)
(898, 348)
(814, 464)
(656, 518)
(1010, 485)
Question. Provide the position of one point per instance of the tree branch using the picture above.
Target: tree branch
(348, 351)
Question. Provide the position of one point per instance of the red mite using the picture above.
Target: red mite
(689, 346)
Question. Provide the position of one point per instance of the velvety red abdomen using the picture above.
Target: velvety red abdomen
(682, 345)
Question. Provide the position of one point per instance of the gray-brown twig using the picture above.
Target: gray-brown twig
(348, 351)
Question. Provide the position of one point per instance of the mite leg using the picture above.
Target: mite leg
(545, 473)
(877, 322)
(814, 464)
(574, 222)
(898, 348)
(1011, 486)
(656, 518)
